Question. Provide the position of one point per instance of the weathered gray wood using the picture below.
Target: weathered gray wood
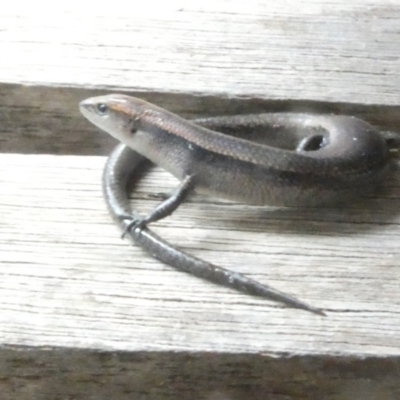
(68, 281)
(38, 119)
(320, 50)
(64, 262)
(87, 316)
(80, 375)
(193, 58)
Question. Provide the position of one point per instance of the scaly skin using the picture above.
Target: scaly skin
(277, 159)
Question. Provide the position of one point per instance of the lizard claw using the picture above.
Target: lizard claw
(132, 225)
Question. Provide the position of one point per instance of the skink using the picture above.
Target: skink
(278, 159)
(118, 172)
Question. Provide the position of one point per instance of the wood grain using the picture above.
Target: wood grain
(86, 312)
(204, 58)
(69, 280)
(323, 50)
(85, 315)
(46, 120)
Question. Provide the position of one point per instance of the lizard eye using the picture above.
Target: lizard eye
(101, 108)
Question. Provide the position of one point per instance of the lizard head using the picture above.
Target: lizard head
(117, 114)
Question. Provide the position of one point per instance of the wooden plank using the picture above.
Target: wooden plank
(80, 375)
(78, 300)
(86, 315)
(204, 58)
(38, 119)
(323, 50)
(69, 280)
